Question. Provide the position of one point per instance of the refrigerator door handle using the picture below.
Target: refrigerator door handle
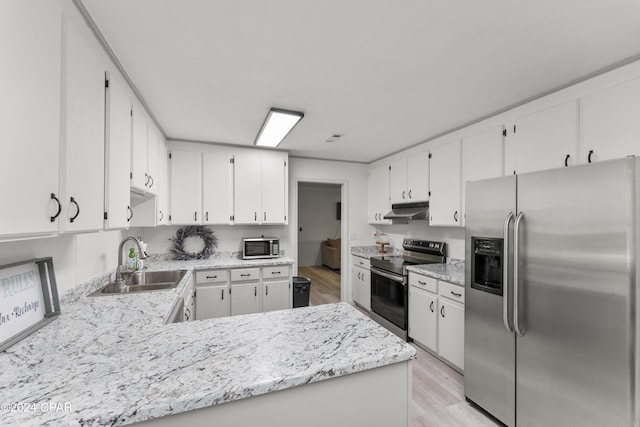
(516, 279)
(505, 274)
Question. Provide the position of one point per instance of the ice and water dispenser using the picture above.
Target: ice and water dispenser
(486, 270)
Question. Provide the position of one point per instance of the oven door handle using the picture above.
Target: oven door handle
(388, 276)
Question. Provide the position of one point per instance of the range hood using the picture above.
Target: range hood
(401, 213)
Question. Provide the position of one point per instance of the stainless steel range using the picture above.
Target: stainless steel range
(389, 288)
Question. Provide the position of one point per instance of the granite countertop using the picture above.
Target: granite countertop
(112, 360)
(372, 251)
(452, 272)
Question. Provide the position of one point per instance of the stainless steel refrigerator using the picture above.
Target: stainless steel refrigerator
(551, 328)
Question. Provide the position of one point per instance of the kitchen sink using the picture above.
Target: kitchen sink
(142, 281)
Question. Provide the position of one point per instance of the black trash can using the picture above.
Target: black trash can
(301, 291)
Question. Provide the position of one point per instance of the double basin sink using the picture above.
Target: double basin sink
(142, 281)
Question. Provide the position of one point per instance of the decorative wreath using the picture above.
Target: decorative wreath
(208, 238)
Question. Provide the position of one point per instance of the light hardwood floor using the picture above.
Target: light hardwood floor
(438, 396)
(325, 284)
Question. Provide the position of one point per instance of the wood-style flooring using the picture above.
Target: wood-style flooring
(325, 284)
(438, 396)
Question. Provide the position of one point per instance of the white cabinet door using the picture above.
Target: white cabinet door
(418, 177)
(610, 123)
(398, 181)
(217, 182)
(546, 139)
(163, 185)
(361, 286)
(152, 160)
(445, 182)
(273, 187)
(118, 155)
(276, 295)
(378, 194)
(30, 47)
(356, 289)
(139, 176)
(451, 331)
(82, 148)
(423, 317)
(186, 187)
(482, 157)
(246, 177)
(245, 298)
(213, 301)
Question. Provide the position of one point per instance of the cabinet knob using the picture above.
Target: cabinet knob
(53, 197)
(73, 218)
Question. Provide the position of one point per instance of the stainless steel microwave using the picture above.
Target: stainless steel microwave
(260, 247)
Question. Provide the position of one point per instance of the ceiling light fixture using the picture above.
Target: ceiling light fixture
(276, 126)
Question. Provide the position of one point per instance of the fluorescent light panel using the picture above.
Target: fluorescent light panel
(277, 125)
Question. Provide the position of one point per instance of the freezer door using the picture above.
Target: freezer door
(575, 310)
(489, 357)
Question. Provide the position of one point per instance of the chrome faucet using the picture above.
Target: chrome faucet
(141, 254)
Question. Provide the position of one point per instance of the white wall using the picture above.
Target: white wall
(452, 236)
(76, 258)
(317, 219)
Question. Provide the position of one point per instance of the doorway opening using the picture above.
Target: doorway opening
(319, 239)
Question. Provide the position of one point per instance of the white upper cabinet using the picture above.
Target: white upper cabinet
(260, 187)
(546, 139)
(246, 176)
(217, 185)
(409, 178)
(610, 123)
(378, 194)
(139, 176)
(30, 47)
(163, 184)
(118, 155)
(445, 185)
(82, 145)
(482, 157)
(153, 141)
(273, 187)
(186, 187)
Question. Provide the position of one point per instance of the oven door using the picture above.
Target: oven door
(389, 297)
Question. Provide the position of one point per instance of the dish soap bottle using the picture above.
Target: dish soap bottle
(132, 259)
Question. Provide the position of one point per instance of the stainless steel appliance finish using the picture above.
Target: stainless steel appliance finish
(559, 345)
(260, 247)
(401, 213)
(389, 288)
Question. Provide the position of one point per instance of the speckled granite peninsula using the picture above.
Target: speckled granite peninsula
(115, 361)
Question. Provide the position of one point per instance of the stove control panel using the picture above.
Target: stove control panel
(426, 246)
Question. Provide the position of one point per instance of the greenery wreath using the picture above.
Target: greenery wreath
(208, 238)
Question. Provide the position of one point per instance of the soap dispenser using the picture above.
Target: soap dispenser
(132, 259)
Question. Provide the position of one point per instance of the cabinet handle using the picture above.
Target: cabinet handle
(222, 293)
(146, 179)
(275, 272)
(403, 195)
(161, 216)
(255, 291)
(266, 290)
(442, 311)
(589, 156)
(265, 216)
(206, 216)
(131, 213)
(212, 277)
(455, 216)
(409, 193)
(255, 216)
(188, 313)
(566, 160)
(53, 197)
(195, 216)
(421, 282)
(431, 306)
(73, 218)
(455, 294)
(151, 180)
(245, 275)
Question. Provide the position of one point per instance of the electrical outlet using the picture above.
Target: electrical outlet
(281, 252)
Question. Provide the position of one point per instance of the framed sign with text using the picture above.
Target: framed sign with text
(28, 299)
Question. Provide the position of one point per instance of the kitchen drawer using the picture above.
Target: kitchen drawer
(275, 272)
(244, 274)
(423, 282)
(451, 291)
(361, 262)
(212, 276)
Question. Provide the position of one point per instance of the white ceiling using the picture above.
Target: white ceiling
(386, 73)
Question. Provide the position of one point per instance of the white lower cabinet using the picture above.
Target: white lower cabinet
(246, 298)
(189, 300)
(436, 317)
(276, 295)
(361, 282)
(213, 301)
